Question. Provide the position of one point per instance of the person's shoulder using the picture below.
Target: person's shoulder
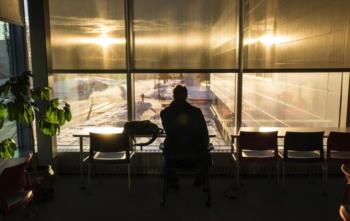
(164, 111)
(194, 108)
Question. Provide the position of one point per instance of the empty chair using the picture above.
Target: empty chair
(15, 189)
(110, 148)
(259, 147)
(338, 149)
(303, 147)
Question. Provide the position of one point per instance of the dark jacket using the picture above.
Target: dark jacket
(186, 130)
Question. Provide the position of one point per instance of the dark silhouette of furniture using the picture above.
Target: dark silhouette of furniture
(344, 212)
(15, 189)
(255, 147)
(338, 149)
(303, 148)
(189, 167)
(346, 171)
(110, 148)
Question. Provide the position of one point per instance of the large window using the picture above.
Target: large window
(154, 92)
(95, 99)
(87, 34)
(297, 34)
(292, 99)
(185, 34)
(195, 43)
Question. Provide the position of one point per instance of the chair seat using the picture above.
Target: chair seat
(342, 155)
(111, 156)
(258, 153)
(293, 154)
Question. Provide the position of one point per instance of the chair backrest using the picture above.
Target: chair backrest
(113, 142)
(339, 141)
(13, 179)
(303, 141)
(257, 141)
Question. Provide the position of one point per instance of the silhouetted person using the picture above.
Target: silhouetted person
(186, 142)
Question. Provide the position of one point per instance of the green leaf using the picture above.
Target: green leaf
(67, 112)
(7, 148)
(55, 102)
(28, 115)
(45, 93)
(2, 115)
(61, 117)
(48, 128)
(11, 111)
(5, 88)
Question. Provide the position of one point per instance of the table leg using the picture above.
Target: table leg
(81, 150)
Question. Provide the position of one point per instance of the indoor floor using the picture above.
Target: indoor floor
(260, 198)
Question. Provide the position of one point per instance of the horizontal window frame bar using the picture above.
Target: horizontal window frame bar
(88, 71)
(295, 70)
(147, 71)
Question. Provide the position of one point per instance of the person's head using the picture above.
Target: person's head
(180, 93)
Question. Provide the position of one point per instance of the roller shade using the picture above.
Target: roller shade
(11, 11)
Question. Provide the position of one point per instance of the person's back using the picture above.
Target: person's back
(186, 131)
(187, 137)
(185, 127)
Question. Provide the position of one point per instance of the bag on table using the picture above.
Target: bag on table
(145, 127)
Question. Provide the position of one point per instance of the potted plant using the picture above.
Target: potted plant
(23, 104)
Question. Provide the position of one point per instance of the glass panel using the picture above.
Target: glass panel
(95, 99)
(223, 88)
(291, 99)
(5, 68)
(297, 34)
(153, 92)
(185, 34)
(87, 34)
(9, 129)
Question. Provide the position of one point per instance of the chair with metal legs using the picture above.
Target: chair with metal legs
(303, 148)
(255, 147)
(113, 148)
(338, 149)
(202, 164)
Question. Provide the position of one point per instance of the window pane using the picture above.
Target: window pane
(291, 99)
(297, 34)
(185, 34)
(5, 69)
(9, 129)
(154, 92)
(87, 34)
(95, 99)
